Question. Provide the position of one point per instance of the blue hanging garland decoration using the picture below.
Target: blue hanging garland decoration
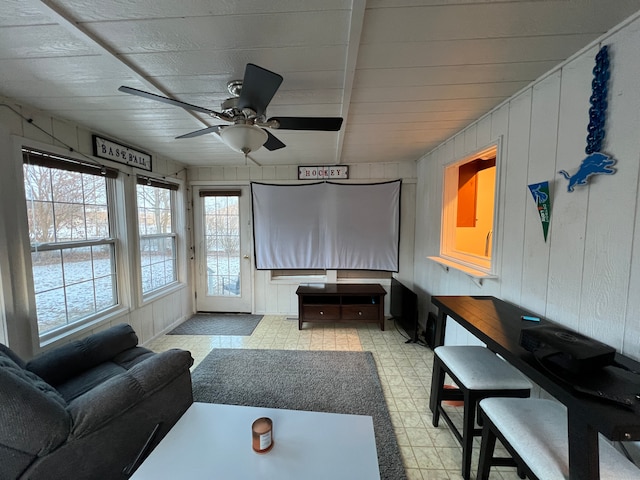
(598, 101)
(596, 162)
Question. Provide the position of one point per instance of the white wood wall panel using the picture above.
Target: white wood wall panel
(541, 167)
(569, 209)
(483, 135)
(471, 138)
(587, 275)
(499, 130)
(514, 166)
(48, 133)
(277, 297)
(627, 136)
(612, 200)
(286, 299)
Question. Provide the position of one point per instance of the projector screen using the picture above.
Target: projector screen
(327, 226)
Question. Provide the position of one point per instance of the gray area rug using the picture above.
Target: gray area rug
(320, 381)
(218, 324)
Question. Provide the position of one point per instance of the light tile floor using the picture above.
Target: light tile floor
(405, 373)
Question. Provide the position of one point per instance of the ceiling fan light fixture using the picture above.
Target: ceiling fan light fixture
(243, 138)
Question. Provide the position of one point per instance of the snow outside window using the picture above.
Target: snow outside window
(72, 249)
(156, 234)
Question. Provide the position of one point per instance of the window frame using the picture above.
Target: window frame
(293, 276)
(56, 161)
(173, 235)
(470, 263)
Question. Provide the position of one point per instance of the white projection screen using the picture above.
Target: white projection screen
(327, 226)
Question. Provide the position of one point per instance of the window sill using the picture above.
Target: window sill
(78, 329)
(154, 295)
(297, 279)
(477, 275)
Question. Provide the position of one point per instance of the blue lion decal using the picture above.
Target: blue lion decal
(595, 164)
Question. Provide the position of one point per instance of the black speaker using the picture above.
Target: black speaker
(430, 331)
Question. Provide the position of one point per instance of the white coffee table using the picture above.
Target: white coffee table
(213, 441)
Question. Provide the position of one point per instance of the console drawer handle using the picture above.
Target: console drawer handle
(321, 313)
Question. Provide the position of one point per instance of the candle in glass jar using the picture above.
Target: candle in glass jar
(262, 435)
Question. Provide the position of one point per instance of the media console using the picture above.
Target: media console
(335, 302)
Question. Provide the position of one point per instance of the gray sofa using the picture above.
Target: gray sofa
(86, 410)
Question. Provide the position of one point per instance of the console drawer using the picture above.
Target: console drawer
(321, 312)
(360, 312)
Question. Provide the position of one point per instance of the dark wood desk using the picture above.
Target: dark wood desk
(497, 323)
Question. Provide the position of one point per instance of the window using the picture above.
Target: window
(368, 274)
(156, 216)
(468, 212)
(72, 247)
(222, 239)
(321, 275)
(284, 273)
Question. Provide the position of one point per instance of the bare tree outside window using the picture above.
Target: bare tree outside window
(222, 238)
(157, 237)
(73, 256)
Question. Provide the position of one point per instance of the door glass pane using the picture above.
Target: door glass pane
(222, 245)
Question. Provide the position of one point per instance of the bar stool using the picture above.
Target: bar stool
(534, 432)
(479, 373)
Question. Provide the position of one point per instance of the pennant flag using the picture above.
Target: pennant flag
(540, 192)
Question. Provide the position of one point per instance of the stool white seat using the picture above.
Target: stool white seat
(478, 373)
(534, 431)
(478, 368)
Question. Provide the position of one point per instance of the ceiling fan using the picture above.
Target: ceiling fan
(246, 112)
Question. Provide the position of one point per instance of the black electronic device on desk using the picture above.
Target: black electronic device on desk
(568, 350)
(587, 365)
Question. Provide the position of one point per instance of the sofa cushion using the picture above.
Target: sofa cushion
(93, 377)
(97, 433)
(29, 379)
(123, 392)
(89, 379)
(33, 416)
(68, 361)
(133, 356)
(4, 350)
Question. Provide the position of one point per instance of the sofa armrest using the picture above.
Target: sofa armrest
(60, 364)
(91, 411)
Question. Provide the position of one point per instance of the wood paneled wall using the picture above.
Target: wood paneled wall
(587, 274)
(18, 329)
(278, 296)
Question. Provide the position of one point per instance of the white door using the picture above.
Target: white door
(222, 229)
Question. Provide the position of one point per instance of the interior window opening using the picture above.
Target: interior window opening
(469, 206)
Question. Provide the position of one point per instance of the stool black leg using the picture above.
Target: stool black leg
(437, 388)
(486, 452)
(468, 426)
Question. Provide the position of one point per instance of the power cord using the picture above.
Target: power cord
(408, 340)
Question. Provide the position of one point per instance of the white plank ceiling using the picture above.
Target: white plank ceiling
(404, 74)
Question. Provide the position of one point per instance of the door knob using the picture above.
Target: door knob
(246, 256)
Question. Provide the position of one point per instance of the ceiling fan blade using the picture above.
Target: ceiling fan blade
(272, 142)
(258, 88)
(328, 124)
(170, 101)
(203, 131)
